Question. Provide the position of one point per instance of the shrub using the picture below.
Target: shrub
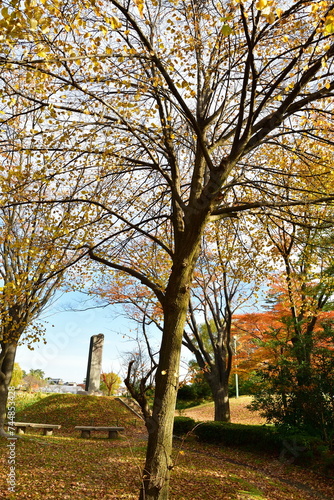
(304, 448)
(24, 400)
(248, 385)
(183, 425)
(187, 393)
(297, 390)
(253, 437)
(290, 445)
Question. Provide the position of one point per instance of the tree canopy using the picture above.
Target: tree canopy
(158, 117)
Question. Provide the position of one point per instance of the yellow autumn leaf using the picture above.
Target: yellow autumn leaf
(33, 24)
(115, 23)
(42, 54)
(261, 4)
(140, 6)
(270, 18)
(329, 26)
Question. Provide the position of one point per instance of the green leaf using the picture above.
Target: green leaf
(226, 30)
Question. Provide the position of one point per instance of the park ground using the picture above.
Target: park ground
(64, 466)
(240, 414)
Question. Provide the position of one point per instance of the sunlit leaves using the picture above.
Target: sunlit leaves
(226, 29)
(140, 6)
(329, 23)
(34, 246)
(33, 24)
(261, 4)
(113, 22)
(152, 127)
(267, 9)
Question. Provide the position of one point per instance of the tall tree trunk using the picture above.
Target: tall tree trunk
(7, 358)
(221, 401)
(220, 374)
(160, 426)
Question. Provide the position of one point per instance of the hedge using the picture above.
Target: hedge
(237, 435)
(294, 447)
(183, 425)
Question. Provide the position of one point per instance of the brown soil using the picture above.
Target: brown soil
(240, 414)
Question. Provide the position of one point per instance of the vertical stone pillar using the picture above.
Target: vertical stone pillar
(94, 363)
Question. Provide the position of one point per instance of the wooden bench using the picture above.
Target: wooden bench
(47, 428)
(86, 430)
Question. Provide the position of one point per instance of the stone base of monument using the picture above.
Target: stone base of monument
(90, 393)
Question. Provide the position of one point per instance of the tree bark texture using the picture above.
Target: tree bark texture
(222, 402)
(160, 426)
(7, 358)
(158, 464)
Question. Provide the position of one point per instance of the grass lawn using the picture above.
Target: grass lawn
(64, 466)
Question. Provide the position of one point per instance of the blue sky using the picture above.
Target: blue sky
(68, 337)
(70, 321)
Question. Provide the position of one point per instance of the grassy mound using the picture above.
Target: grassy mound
(69, 410)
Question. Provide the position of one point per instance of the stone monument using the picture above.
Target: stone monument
(94, 364)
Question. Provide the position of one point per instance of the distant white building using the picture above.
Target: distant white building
(55, 381)
(61, 389)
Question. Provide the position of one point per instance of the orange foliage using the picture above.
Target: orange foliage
(264, 337)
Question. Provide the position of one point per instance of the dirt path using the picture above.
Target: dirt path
(239, 412)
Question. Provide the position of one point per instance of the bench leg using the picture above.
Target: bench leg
(112, 434)
(21, 430)
(47, 432)
(85, 434)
